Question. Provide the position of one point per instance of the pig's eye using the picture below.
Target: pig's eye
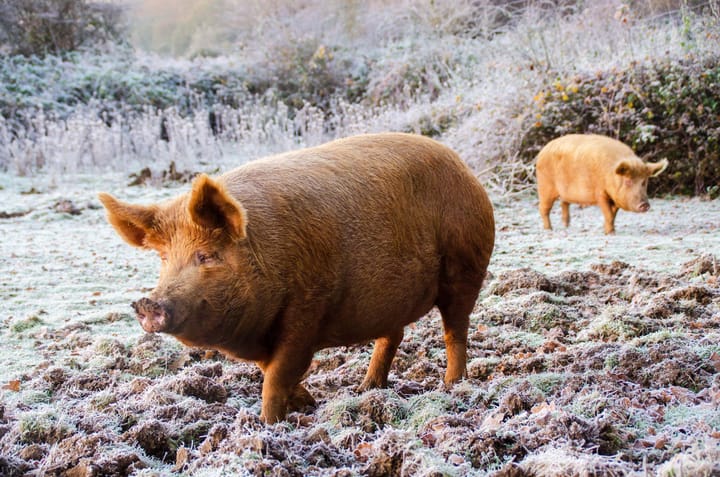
(163, 256)
(204, 258)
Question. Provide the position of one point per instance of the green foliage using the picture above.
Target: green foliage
(547, 383)
(662, 109)
(26, 324)
(119, 86)
(425, 407)
(43, 426)
(39, 27)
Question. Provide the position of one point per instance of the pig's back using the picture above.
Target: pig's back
(370, 219)
(581, 151)
(370, 178)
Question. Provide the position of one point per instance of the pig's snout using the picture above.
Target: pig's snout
(153, 317)
(644, 207)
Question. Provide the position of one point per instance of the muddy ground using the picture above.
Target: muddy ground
(589, 355)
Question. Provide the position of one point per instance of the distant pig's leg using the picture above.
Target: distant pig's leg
(609, 211)
(383, 354)
(545, 206)
(565, 212)
(300, 398)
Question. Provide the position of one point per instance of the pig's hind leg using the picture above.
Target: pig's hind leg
(381, 360)
(565, 212)
(455, 303)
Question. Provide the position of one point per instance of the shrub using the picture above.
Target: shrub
(306, 71)
(412, 69)
(661, 109)
(39, 27)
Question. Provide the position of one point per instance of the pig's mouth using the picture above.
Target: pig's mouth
(153, 316)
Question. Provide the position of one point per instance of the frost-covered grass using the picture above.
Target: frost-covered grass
(82, 381)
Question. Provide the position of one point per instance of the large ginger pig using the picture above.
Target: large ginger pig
(328, 246)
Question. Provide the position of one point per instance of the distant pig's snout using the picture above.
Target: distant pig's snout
(644, 207)
(153, 317)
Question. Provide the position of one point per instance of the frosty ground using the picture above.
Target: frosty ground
(589, 355)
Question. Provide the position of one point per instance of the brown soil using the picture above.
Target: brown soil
(608, 371)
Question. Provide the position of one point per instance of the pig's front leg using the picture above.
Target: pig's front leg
(281, 384)
(565, 212)
(381, 360)
(289, 360)
(609, 210)
(545, 205)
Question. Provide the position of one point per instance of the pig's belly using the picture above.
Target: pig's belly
(577, 189)
(383, 315)
(575, 196)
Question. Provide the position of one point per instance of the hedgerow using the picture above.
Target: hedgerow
(662, 109)
(59, 84)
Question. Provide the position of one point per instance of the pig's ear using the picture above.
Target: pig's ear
(134, 223)
(213, 208)
(623, 169)
(655, 168)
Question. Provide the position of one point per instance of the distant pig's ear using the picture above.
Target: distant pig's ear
(134, 223)
(655, 168)
(212, 207)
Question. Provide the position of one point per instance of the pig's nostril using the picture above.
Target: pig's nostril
(644, 207)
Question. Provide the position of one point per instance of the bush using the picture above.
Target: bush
(663, 109)
(40, 27)
(306, 71)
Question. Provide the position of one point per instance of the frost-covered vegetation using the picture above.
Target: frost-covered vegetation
(495, 80)
(588, 355)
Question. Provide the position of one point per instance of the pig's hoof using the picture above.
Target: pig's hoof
(301, 399)
(268, 419)
(451, 381)
(369, 384)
